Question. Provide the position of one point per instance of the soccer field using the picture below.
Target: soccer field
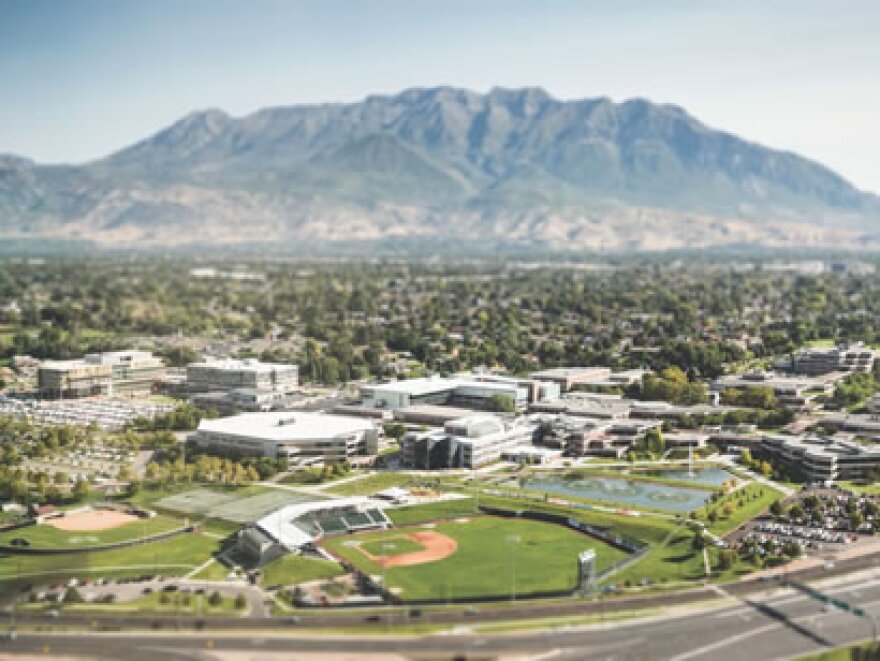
(493, 557)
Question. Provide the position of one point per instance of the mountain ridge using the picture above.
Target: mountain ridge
(441, 162)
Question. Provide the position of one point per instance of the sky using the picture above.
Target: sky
(82, 78)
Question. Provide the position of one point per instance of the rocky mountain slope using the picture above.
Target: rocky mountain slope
(442, 164)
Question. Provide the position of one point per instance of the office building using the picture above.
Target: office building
(109, 373)
(465, 442)
(250, 373)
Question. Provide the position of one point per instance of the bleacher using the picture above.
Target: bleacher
(358, 520)
(331, 525)
(307, 525)
(378, 517)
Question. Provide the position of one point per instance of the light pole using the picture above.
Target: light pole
(385, 547)
(512, 541)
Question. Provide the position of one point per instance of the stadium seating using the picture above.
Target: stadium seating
(358, 520)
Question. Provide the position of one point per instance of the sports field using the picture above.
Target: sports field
(47, 535)
(488, 557)
(241, 506)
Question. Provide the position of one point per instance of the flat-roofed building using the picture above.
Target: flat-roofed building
(250, 373)
(819, 459)
(464, 392)
(845, 357)
(466, 442)
(794, 392)
(569, 377)
(109, 373)
(304, 438)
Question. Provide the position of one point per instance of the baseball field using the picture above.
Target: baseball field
(90, 529)
(472, 557)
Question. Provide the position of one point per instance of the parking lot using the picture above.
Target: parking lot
(108, 414)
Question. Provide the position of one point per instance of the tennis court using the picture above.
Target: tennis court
(230, 506)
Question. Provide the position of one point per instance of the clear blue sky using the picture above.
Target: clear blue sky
(81, 78)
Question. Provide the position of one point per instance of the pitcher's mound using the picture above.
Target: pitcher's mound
(95, 520)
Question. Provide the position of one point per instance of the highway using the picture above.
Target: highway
(766, 622)
(765, 626)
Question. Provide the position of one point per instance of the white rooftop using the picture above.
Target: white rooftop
(248, 364)
(279, 524)
(287, 425)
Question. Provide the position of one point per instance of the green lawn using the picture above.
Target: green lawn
(755, 498)
(370, 484)
(170, 557)
(47, 536)
(175, 603)
(214, 571)
(544, 556)
(294, 569)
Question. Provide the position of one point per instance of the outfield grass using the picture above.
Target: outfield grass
(47, 536)
(445, 509)
(294, 569)
(486, 563)
(369, 484)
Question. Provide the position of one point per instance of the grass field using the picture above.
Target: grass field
(293, 569)
(46, 536)
(494, 556)
(170, 557)
(369, 484)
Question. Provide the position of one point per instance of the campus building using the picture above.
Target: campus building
(794, 392)
(304, 438)
(465, 442)
(248, 374)
(467, 392)
(109, 373)
(844, 358)
(817, 459)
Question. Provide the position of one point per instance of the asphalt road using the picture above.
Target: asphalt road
(762, 626)
(765, 626)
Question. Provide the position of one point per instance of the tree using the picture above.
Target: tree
(698, 542)
(80, 490)
(855, 520)
(214, 599)
(72, 596)
(240, 602)
(727, 558)
(654, 441)
(776, 508)
(501, 404)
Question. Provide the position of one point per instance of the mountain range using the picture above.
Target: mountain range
(438, 165)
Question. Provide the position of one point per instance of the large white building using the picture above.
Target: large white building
(249, 374)
(464, 391)
(304, 438)
(466, 442)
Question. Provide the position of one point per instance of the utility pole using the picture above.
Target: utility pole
(512, 541)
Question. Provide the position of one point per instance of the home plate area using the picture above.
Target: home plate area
(419, 547)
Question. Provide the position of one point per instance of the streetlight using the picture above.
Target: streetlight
(385, 547)
(512, 541)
